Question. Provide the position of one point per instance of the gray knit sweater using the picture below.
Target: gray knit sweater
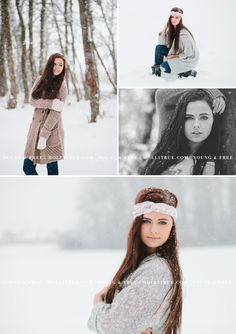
(188, 53)
(142, 302)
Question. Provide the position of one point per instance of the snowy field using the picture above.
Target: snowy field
(44, 290)
(90, 148)
(212, 25)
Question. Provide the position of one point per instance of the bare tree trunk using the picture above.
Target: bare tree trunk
(66, 26)
(86, 95)
(103, 65)
(31, 55)
(3, 79)
(112, 48)
(42, 24)
(91, 37)
(89, 61)
(73, 79)
(23, 54)
(66, 36)
(12, 101)
(70, 23)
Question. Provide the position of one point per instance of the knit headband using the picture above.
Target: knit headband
(176, 13)
(145, 207)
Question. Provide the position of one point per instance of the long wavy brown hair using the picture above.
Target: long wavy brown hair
(173, 33)
(49, 84)
(173, 141)
(137, 251)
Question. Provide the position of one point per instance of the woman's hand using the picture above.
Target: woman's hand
(99, 297)
(218, 105)
(41, 143)
(147, 331)
(171, 56)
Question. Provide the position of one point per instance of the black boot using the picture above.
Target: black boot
(188, 74)
(156, 70)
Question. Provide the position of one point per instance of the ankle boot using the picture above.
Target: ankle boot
(187, 74)
(156, 70)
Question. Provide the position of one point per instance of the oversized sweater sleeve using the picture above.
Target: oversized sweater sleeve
(214, 93)
(51, 120)
(134, 308)
(54, 114)
(162, 38)
(55, 104)
(186, 46)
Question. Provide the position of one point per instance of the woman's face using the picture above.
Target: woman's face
(58, 66)
(198, 121)
(155, 229)
(175, 19)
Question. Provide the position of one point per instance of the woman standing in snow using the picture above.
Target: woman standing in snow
(190, 142)
(177, 44)
(45, 140)
(145, 295)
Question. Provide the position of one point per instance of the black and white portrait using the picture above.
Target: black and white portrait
(177, 132)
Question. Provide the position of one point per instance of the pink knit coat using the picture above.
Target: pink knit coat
(47, 123)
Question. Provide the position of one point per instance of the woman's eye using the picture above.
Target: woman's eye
(204, 118)
(145, 221)
(187, 118)
(162, 222)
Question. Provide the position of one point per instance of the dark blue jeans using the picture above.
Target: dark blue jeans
(160, 52)
(29, 168)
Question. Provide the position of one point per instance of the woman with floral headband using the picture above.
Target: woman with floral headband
(45, 140)
(177, 44)
(145, 295)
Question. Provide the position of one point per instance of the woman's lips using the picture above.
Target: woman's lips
(153, 238)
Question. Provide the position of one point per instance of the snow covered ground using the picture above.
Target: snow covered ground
(45, 290)
(212, 24)
(90, 148)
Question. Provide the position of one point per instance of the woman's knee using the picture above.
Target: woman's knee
(159, 47)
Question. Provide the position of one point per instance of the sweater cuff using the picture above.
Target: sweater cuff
(45, 133)
(214, 93)
(92, 322)
(57, 105)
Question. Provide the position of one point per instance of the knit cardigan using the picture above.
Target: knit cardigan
(188, 55)
(143, 301)
(47, 123)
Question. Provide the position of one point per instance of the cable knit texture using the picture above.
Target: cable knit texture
(47, 123)
(143, 301)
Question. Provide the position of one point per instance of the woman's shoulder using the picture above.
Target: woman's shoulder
(185, 32)
(153, 266)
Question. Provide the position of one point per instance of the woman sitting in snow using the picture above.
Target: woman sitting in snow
(45, 140)
(177, 44)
